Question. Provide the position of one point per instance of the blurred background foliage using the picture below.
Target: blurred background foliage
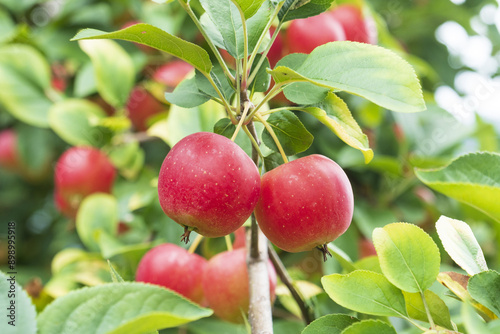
(454, 47)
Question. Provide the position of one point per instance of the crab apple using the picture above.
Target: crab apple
(305, 203)
(357, 28)
(304, 35)
(277, 50)
(9, 154)
(208, 184)
(173, 267)
(79, 172)
(141, 105)
(172, 73)
(226, 286)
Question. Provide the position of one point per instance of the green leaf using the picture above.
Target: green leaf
(472, 179)
(484, 288)
(291, 133)
(224, 127)
(437, 307)
(457, 284)
(408, 256)
(248, 7)
(460, 243)
(24, 77)
(220, 80)
(262, 78)
(338, 118)
(114, 308)
(115, 276)
(472, 321)
(97, 213)
(272, 161)
(369, 327)
(75, 122)
(156, 38)
(19, 315)
(344, 259)
(330, 324)
(301, 92)
(113, 70)
(187, 94)
(366, 292)
(377, 74)
(226, 17)
(85, 81)
(300, 9)
(7, 27)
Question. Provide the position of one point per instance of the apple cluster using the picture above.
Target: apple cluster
(208, 184)
(220, 283)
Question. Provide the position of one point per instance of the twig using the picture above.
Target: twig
(286, 279)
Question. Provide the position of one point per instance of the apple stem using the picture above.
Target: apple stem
(195, 244)
(282, 273)
(242, 119)
(325, 251)
(185, 235)
(273, 135)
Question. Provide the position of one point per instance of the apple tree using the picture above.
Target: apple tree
(241, 166)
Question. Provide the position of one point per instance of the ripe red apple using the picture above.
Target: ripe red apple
(304, 35)
(305, 203)
(172, 73)
(79, 172)
(208, 184)
(366, 248)
(357, 27)
(175, 268)
(240, 238)
(225, 283)
(277, 50)
(141, 105)
(9, 157)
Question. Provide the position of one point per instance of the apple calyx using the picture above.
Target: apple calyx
(324, 250)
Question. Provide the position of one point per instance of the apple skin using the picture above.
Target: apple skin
(305, 203)
(208, 184)
(9, 157)
(172, 73)
(356, 27)
(277, 50)
(79, 172)
(173, 267)
(226, 287)
(141, 105)
(304, 35)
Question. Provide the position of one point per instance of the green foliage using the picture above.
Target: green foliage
(300, 9)
(469, 179)
(369, 326)
(118, 308)
(156, 38)
(483, 287)
(367, 292)
(460, 243)
(291, 133)
(23, 318)
(330, 324)
(408, 256)
(437, 308)
(375, 74)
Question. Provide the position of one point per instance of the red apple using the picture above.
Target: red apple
(225, 283)
(304, 35)
(9, 157)
(141, 105)
(174, 268)
(65, 207)
(208, 184)
(305, 203)
(276, 52)
(172, 73)
(357, 28)
(240, 238)
(79, 172)
(366, 248)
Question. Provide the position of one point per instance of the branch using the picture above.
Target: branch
(260, 313)
(287, 280)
